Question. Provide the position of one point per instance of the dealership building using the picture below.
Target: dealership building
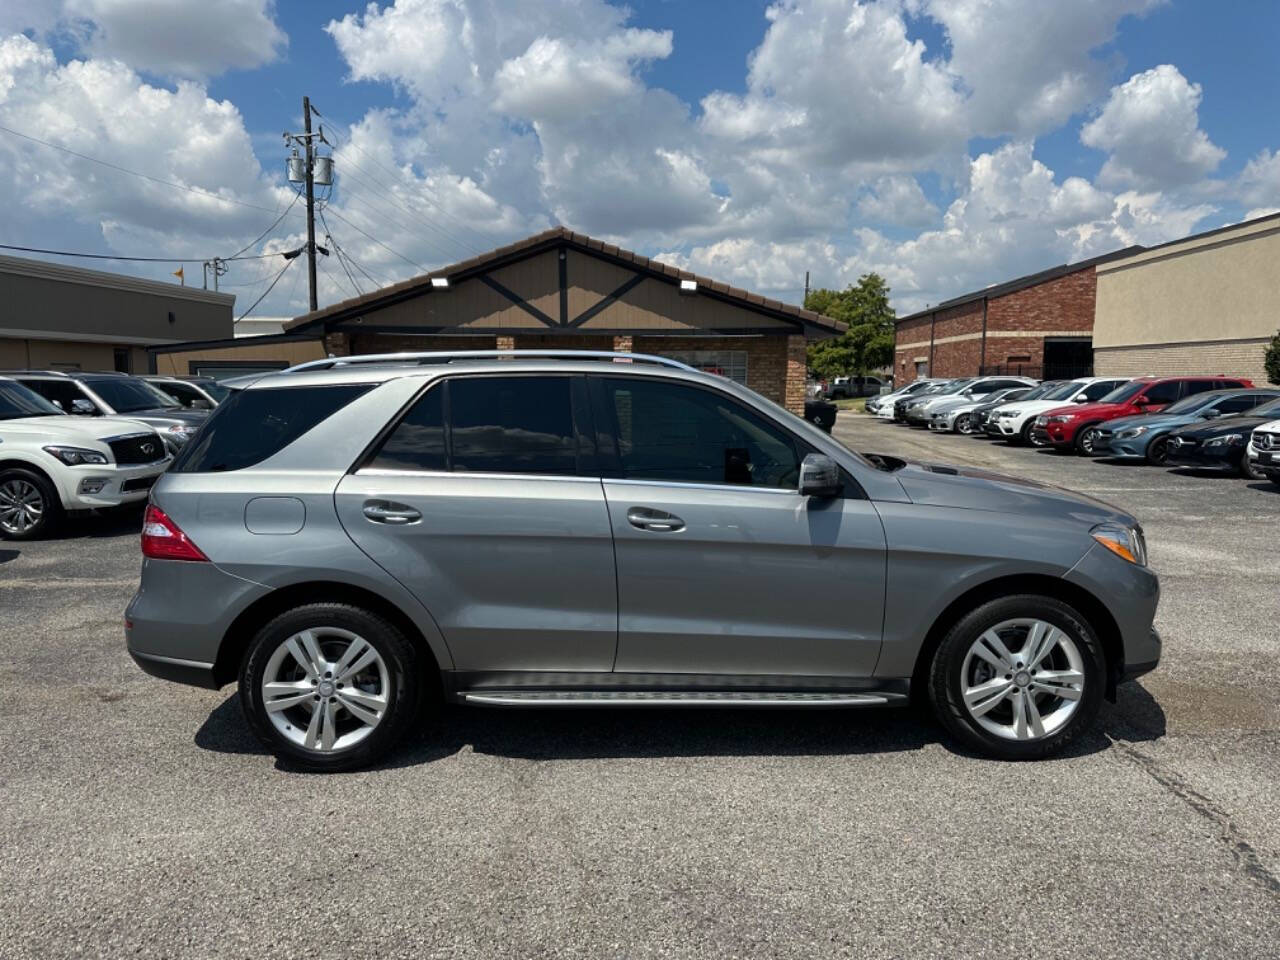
(56, 317)
(1040, 325)
(555, 290)
(1207, 304)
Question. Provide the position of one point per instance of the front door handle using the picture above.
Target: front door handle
(388, 511)
(655, 521)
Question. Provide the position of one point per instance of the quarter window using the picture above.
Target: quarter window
(675, 433)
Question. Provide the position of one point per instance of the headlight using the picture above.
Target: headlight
(1133, 432)
(180, 430)
(1060, 418)
(1126, 542)
(1009, 413)
(1225, 440)
(75, 456)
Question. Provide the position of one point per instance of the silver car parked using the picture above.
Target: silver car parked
(355, 538)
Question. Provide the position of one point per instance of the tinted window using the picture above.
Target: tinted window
(1202, 386)
(126, 396)
(1269, 409)
(186, 395)
(16, 402)
(671, 432)
(1166, 392)
(61, 392)
(417, 442)
(252, 425)
(512, 425)
(1120, 394)
(1238, 404)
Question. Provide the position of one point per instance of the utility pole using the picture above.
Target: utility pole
(804, 303)
(311, 201)
(303, 170)
(219, 267)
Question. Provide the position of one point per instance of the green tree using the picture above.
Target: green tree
(868, 343)
(1272, 359)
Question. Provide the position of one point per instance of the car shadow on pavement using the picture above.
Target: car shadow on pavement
(99, 524)
(7, 555)
(1265, 486)
(612, 733)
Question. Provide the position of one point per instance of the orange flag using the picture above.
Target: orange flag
(181, 276)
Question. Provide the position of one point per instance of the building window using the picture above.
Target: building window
(122, 360)
(726, 363)
(922, 368)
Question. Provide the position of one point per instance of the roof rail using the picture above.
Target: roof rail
(448, 356)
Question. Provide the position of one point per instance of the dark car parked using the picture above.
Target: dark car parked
(1221, 444)
(982, 426)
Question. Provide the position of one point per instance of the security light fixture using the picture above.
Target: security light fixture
(688, 286)
(439, 282)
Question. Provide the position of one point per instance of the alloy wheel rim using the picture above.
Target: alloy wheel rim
(325, 689)
(1087, 439)
(963, 423)
(1022, 679)
(21, 506)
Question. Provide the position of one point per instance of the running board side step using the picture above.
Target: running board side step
(675, 698)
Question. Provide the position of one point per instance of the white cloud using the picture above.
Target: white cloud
(1259, 182)
(1150, 125)
(170, 38)
(1028, 67)
(897, 201)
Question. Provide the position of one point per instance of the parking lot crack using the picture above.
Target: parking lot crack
(1246, 856)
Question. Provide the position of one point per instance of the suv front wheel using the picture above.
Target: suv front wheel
(1018, 678)
(330, 686)
(29, 506)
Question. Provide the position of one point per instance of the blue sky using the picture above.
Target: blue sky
(943, 143)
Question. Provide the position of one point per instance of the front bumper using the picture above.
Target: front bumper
(99, 486)
(942, 421)
(1122, 448)
(1054, 434)
(1224, 456)
(1131, 594)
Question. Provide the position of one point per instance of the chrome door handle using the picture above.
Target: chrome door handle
(655, 521)
(385, 511)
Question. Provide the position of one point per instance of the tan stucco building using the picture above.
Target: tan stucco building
(1209, 303)
(57, 317)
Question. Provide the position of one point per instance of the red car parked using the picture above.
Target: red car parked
(1075, 425)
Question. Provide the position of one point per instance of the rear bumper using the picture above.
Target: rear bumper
(193, 673)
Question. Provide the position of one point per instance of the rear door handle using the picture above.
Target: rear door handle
(387, 511)
(655, 521)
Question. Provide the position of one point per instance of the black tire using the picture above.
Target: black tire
(404, 698)
(946, 680)
(50, 505)
(1158, 451)
(1024, 435)
(963, 424)
(1085, 441)
(1247, 469)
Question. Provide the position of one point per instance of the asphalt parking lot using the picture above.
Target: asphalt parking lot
(141, 818)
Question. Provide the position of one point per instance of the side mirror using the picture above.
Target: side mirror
(1211, 415)
(819, 476)
(1081, 399)
(83, 407)
(1140, 401)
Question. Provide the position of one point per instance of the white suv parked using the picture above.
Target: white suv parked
(51, 462)
(1014, 421)
(1264, 450)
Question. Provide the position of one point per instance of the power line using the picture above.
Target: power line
(135, 173)
(258, 238)
(268, 290)
(338, 253)
(101, 256)
(379, 242)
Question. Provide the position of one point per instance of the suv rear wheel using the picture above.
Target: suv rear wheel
(1018, 678)
(330, 686)
(29, 506)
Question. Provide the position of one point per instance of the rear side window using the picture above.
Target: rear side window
(1166, 392)
(487, 425)
(1096, 391)
(1201, 386)
(252, 425)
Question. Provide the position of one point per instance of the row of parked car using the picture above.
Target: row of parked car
(72, 441)
(1218, 422)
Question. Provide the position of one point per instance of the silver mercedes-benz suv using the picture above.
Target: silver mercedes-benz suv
(356, 538)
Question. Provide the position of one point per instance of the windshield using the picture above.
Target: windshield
(215, 390)
(1193, 403)
(1064, 391)
(955, 386)
(1041, 391)
(16, 402)
(127, 396)
(1127, 391)
(1269, 409)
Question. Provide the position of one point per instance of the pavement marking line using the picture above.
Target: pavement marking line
(1246, 857)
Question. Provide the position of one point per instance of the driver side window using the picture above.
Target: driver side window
(683, 434)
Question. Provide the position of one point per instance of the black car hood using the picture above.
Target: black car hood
(944, 485)
(1216, 428)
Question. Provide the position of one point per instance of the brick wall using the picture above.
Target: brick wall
(771, 362)
(1234, 358)
(1063, 306)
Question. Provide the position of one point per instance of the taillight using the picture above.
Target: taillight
(162, 539)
